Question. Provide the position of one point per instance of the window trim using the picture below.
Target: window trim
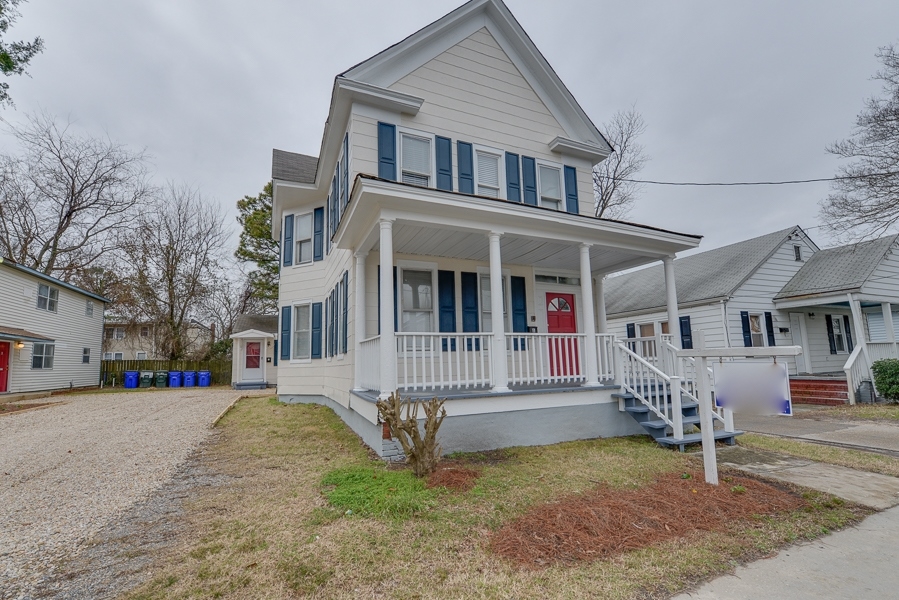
(797, 252)
(85, 353)
(762, 331)
(297, 240)
(432, 158)
(107, 356)
(52, 296)
(142, 328)
(559, 167)
(89, 308)
(837, 320)
(137, 355)
(415, 265)
(43, 356)
(293, 331)
(500, 169)
(484, 273)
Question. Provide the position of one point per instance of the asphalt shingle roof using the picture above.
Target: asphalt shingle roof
(290, 166)
(836, 269)
(264, 323)
(712, 274)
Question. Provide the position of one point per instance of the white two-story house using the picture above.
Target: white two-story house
(444, 243)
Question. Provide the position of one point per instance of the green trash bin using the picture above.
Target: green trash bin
(162, 379)
(146, 379)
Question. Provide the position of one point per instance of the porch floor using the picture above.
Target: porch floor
(485, 392)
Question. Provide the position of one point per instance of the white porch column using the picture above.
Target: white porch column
(887, 309)
(671, 294)
(388, 338)
(602, 322)
(498, 350)
(359, 317)
(591, 367)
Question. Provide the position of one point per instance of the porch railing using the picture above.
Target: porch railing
(370, 364)
(657, 391)
(686, 369)
(432, 361)
(605, 356)
(546, 358)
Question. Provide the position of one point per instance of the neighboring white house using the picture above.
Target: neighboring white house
(444, 243)
(254, 355)
(51, 332)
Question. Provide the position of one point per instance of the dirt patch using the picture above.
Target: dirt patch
(6, 409)
(453, 476)
(605, 522)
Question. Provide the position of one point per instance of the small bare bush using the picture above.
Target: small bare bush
(422, 452)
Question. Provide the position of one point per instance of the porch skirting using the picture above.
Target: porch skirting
(572, 414)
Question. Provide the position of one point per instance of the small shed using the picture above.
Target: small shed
(255, 352)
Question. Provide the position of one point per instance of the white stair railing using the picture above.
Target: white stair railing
(857, 370)
(652, 388)
(686, 368)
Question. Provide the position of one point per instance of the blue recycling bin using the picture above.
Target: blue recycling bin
(132, 378)
(205, 378)
(174, 379)
(190, 378)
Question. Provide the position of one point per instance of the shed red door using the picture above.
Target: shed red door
(561, 318)
(4, 366)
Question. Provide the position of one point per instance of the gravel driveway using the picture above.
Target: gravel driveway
(70, 469)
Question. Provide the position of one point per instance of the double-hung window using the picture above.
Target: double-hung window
(488, 175)
(47, 297)
(417, 300)
(487, 307)
(757, 330)
(119, 333)
(302, 331)
(303, 233)
(42, 356)
(144, 332)
(839, 336)
(89, 308)
(85, 356)
(415, 153)
(549, 181)
(107, 356)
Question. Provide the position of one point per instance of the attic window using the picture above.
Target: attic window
(416, 154)
(797, 252)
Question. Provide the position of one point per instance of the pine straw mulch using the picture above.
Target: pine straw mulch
(604, 522)
(453, 476)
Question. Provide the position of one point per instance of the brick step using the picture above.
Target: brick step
(834, 393)
(821, 401)
(817, 383)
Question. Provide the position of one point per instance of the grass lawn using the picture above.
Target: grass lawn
(854, 459)
(861, 412)
(273, 532)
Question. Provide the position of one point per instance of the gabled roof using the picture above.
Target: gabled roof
(291, 166)
(43, 276)
(844, 268)
(705, 276)
(264, 323)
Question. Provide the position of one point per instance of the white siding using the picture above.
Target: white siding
(474, 93)
(706, 318)
(884, 281)
(821, 358)
(69, 326)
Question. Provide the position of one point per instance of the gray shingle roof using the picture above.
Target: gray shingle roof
(704, 276)
(290, 166)
(837, 269)
(264, 323)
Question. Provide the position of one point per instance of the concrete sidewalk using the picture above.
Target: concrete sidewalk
(854, 563)
(864, 435)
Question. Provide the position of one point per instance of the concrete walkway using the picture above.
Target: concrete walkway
(864, 435)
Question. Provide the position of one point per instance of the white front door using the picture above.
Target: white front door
(252, 361)
(797, 329)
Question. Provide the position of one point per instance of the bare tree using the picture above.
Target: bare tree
(65, 198)
(614, 192)
(231, 295)
(175, 255)
(865, 201)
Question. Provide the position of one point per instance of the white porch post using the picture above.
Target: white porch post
(887, 309)
(388, 338)
(591, 368)
(498, 351)
(671, 294)
(602, 322)
(359, 334)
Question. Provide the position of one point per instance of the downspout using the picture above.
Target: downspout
(724, 323)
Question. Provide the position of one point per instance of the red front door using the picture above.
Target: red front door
(561, 318)
(4, 366)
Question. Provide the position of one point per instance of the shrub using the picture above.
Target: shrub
(886, 378)
(422, 452)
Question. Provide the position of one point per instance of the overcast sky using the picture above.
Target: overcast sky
(730, 91)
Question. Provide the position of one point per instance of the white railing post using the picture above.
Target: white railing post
(359, 317)
(388, 347)
(498, 323)
(677, 415)
(590, 356)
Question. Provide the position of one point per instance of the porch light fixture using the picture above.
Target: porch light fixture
(19, 345)
(811, 315)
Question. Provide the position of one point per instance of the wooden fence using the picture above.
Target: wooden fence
(112, 372)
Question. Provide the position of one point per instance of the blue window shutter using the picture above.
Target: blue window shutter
(469, 302)
(316, 330)
(769, 329)
(276, 353)
(828, 321)
(335, 203)
(686, 333)
(318, 236)
(519, 305)
(346, 310)
(446, 300)
(849, 344)
(285, 332)
(571, 190)
(529, 179)
(395, 302)
(513, 178)
(466, 167)
(288, 240)
(346, 169)
(444, 163)
(747, 334)
(336, 321)
(631, 330)
(387, 151)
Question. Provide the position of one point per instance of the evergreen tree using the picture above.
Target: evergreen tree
(257, 246)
